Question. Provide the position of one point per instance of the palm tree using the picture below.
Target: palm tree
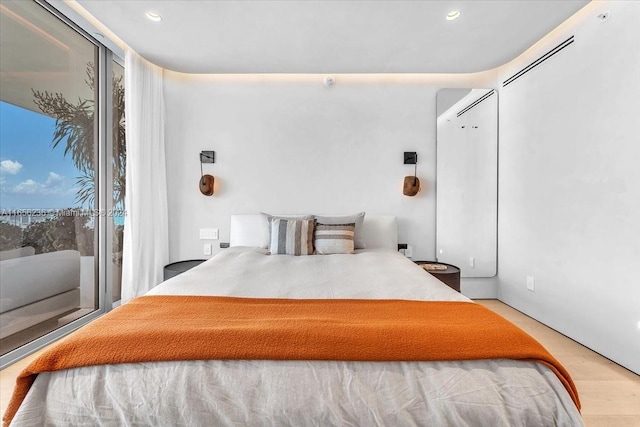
(75, 128)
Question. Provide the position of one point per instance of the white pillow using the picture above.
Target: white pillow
(380, 232)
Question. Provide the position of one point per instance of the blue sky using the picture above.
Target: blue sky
(32, 173)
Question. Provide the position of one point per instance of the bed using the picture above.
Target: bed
(345, 380)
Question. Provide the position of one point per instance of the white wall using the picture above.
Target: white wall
(569, 180)
(569, 183)
(287, 144)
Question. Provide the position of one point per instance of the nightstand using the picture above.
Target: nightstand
(175, 268)
(450, 276)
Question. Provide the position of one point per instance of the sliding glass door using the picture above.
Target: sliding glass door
(56, 226)
(119, 179)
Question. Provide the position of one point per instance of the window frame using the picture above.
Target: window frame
(103, 271)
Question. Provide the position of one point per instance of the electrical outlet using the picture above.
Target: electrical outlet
(207, 248)
(409, 251)
(208, 234)
(531, 283)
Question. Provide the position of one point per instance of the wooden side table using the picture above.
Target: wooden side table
(175, 268)
(450, 276)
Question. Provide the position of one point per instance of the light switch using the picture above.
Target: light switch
(207, 248)
(208, 234)
(472, 262)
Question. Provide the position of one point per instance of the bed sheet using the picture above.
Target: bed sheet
(297, 393)
(367, 274)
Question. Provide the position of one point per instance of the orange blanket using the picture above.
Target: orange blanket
(169, 328)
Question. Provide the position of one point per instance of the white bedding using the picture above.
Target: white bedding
(298, 393)
(248, 272)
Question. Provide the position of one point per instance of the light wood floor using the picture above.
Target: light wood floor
(610, 394)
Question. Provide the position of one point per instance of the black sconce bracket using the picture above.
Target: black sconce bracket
(410, 158)
(207, 157)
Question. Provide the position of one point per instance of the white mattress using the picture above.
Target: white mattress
(298, 393)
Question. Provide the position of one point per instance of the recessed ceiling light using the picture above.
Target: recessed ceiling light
(154, 16)
(453, 15)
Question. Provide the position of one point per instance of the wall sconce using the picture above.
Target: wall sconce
(411, 185)
(206, 181)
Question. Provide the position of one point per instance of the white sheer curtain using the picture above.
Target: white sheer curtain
(146, 235)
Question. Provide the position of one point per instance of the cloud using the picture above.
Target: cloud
(9, 167)
(26, 187)
(53, 181)
(52, 185)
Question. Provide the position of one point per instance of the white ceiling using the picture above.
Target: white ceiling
(348, 36)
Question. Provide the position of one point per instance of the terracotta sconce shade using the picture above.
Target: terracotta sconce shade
(206, 185)
(206, 181)
(411, 186)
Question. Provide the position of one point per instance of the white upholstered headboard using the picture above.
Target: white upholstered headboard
(380, 231)
(249, 230)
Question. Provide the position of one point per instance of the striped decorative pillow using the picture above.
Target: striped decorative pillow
(334, 238)
(358, 219)
(291, 236)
